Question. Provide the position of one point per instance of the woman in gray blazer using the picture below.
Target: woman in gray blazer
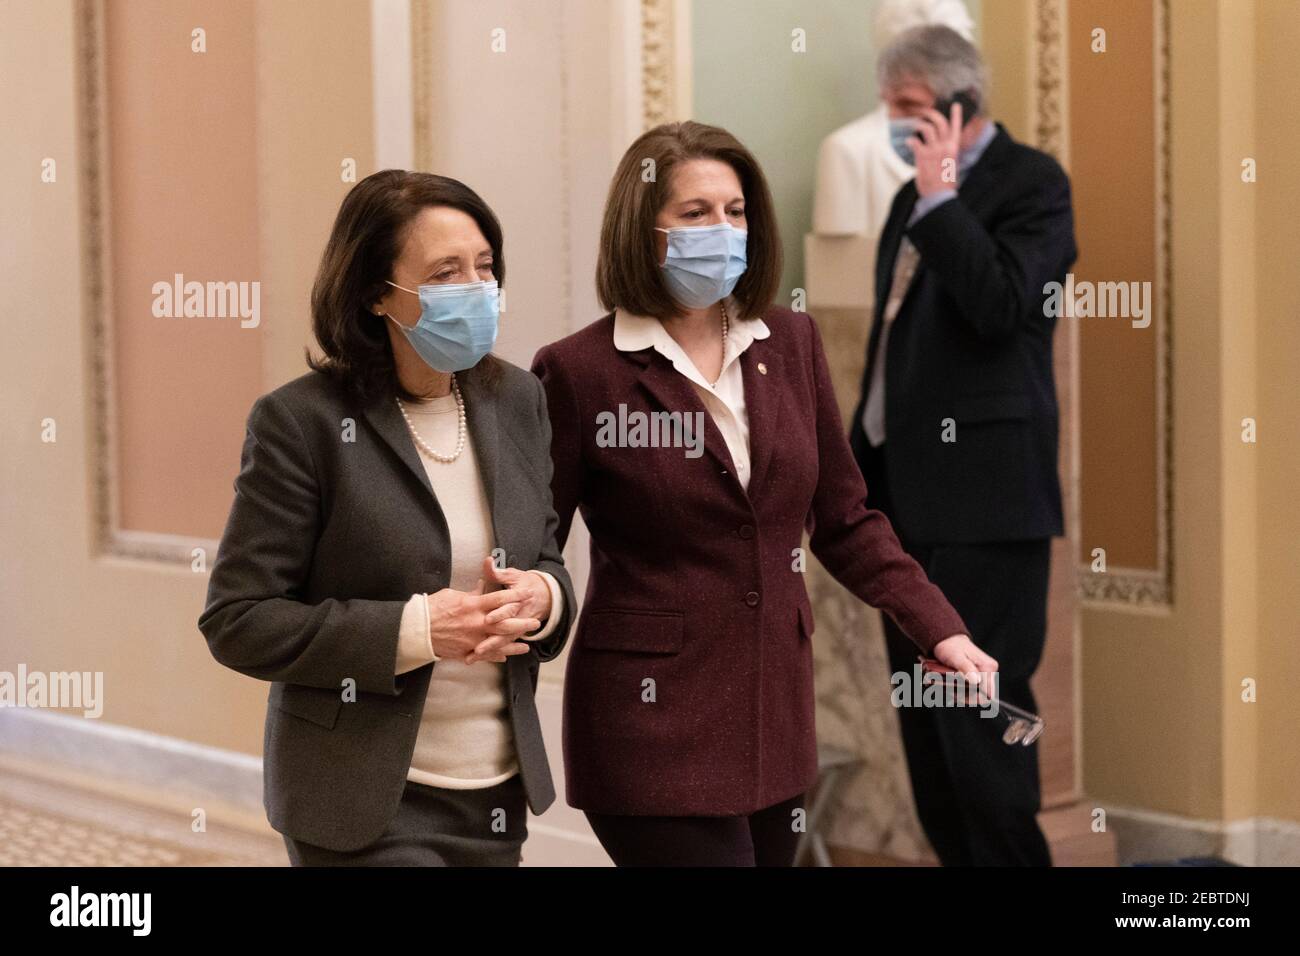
(389, 563)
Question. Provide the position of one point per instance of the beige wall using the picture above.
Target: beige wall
(182, 179)
(61, 606)
(538, 132)
(1115, 206)
(1006, 27)
(1164, 725)
(1277, 400)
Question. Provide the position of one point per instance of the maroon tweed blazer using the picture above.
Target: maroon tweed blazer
(689, 689)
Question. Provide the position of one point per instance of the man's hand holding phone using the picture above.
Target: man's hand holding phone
(936, 146)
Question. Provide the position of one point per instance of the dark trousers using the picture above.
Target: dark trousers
(977, 798)
(434, 826)
(767, 837)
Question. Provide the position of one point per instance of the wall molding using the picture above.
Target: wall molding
(1121, 588)
(1051, 80)
(109, 539)
(422, 25)
(666, 74)
(392, 75)
(1131, 589)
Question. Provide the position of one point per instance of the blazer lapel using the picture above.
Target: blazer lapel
(386, 419)
(974, 186)
(764, 397)
(675, 393)
(485, 432)
(481, 421)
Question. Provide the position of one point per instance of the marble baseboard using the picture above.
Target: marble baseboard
(1147, 837)
(146, 767)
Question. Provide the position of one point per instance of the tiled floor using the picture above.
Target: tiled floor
(48, 820)
(52, 818)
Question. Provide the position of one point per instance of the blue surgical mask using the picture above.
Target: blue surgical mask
(457, 326)
(704, 263)
(900, 131)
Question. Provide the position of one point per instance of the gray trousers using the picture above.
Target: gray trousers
(434, 826)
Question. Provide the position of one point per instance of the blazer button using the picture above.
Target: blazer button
(746, 531)
(752, 599)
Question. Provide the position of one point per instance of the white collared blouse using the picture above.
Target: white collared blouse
(725, 400)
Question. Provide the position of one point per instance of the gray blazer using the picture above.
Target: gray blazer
(334, 526)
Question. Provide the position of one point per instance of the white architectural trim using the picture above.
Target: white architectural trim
(667, 84)
(392, 83)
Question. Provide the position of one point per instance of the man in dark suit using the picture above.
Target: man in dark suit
(956, 426)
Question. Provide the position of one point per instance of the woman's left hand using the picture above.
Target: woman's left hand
(536, 604)
(960, 653)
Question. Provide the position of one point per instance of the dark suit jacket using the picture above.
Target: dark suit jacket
(697, 585)
(326, 541)
(971, 343)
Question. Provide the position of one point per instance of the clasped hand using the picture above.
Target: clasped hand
(472, 626)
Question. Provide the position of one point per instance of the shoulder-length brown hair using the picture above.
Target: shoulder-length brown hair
(628, 275)
(364, 244)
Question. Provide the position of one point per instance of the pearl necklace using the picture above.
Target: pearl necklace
(460, 428)
(726, 325)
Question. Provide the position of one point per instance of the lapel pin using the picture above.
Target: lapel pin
(762, 369)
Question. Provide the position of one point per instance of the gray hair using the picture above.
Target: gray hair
(940, 58)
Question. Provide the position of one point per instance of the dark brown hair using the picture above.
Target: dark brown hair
(364, 244)
(627, 271)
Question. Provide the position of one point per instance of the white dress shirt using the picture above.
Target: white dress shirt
(724, 400)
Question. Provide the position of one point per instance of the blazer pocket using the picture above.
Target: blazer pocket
(316, 704)
(999, 406)
(634, 632)
(806, 623)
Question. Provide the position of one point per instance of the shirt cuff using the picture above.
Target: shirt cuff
(414, 645)
(928, 203)
(557, 609)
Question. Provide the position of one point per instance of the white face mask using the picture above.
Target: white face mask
(457, 326)
(900, 131)
(704, 263)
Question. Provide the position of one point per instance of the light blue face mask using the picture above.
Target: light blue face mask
(458, 323)
(900, 131)
(704, 263)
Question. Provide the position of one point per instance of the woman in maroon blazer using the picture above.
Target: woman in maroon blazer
(696, 429)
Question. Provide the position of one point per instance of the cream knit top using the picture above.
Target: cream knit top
(465, 741)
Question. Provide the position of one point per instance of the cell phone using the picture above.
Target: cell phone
(969, 105)
(1023, 727)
